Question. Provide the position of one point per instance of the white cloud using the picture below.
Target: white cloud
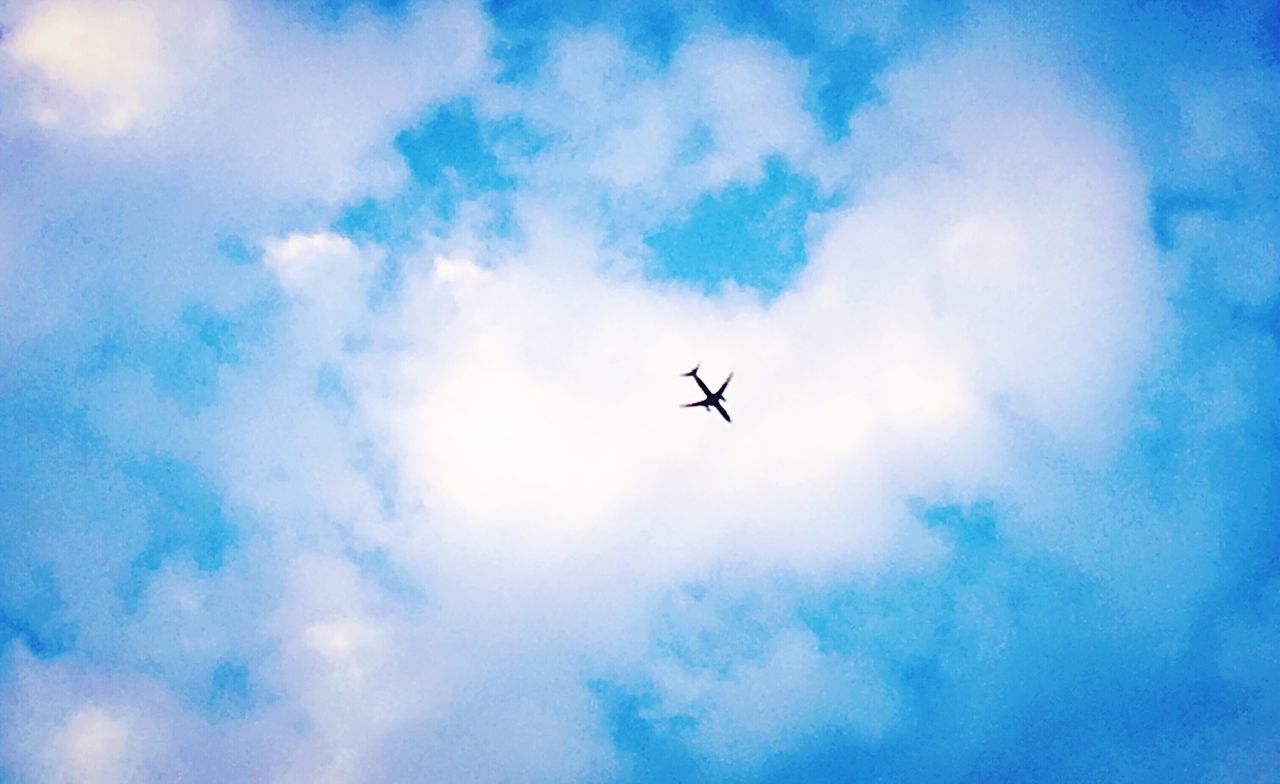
(69, 726)
(749, 96)
(957, 296)
(93, 748)
(241, 93)
(179, 124)
(1045, 262)
(649, 136)
(112, 68)
(302, 111)
(303, 262)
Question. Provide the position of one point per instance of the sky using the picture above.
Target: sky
(340, 426)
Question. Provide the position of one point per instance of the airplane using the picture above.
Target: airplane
(713, 399)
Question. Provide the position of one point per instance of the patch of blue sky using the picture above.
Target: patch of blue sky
(47, 482)
(1269, 33)
(709, 629)
(1210, 452)
(451, 160)
(911, 620)
(184, 362)
(824, 28)
(128, 514)
(841, 79)
(828, 759)
(185, 520)
(649, 751)
(377, 566)
(231, 693)
(331, 389)
(234, 249)
(841, 69)
(32, 611)
(332, 13)
(751, 235)
(371, 461)
(969, 653)
(1008, 664)
(61, 475)
(1170, 205)
(526, 30)
(844, 63)
(450, 143)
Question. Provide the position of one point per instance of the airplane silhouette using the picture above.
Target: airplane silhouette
(713, 399)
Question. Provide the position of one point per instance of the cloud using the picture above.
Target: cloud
(111, 68)
(495, 419)
(838, 22)
(241, 94)
(305, 113)
(792, 692)
(649, 134)
(233, 130)
(82, 727)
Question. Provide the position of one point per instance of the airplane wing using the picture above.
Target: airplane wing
(723, 413)
(702, 386)
(720, 391)
(694, 405)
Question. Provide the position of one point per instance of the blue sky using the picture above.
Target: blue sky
(339, 392)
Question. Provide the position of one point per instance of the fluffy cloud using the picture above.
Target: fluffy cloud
(83, 727)
(240, 93)
(111, 68)
(229, 119)
(961, 313)
(659, 135)
(761, 706)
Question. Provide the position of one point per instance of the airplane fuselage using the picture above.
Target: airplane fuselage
(713, 399)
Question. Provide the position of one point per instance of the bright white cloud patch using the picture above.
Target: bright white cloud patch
(308, 262)
(93, 747)
(112, 67)
(69, 726)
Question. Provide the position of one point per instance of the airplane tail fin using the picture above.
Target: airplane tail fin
(693, 372)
